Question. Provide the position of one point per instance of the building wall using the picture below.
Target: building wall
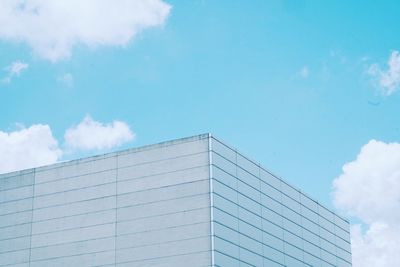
(142, 207)
(152, 206)
(259, 220)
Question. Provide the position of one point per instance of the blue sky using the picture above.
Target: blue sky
(289, 83)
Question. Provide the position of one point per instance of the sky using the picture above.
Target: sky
(310, 89)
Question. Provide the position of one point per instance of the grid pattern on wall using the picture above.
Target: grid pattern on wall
(188, 202)
(259, 220)
(141, 207)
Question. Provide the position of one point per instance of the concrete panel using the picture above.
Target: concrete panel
(226, 232)
(75, 248)
(290, 191)
(13, 244)
(93, 259)
(226, 205)
(312, 237)
(248, 165)
(291, 261)
(73, 235)
(224, 178)
(251, 232)
(15, 218)
(161, 152)
(163, 179)
(312, 249)
(342, 244)
(198, 259)
(225, 260)
(16, 206)
(9, 195)
(164, 250)
(75, 168)
(75, 208)
(16, 180)
(341, 223)
(163, 207)
(226, 219)
(251, 258)
(164, 166)
(328, 257)
(169, 220)
(224, 164)
(223, 191)
(15, 258)
(344, 255)
(163, 235)
(273, 258)
(164, 193)
(310, 215)
(270, 192)
(270, 179)
(272, 241)
(76, 182)
(79, 221)
(75, 195)
(13, 231)
(223, 150)
(226, 247)
(247, 243)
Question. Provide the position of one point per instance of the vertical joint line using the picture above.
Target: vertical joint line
(116, 209)
(237, 201)
(211, 200)
(261, 212)
(32, 208)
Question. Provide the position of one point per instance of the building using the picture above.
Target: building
(188, 202)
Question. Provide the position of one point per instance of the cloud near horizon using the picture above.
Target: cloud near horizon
(28, 148)
(36, 146)
(53, 28)
(369, 190)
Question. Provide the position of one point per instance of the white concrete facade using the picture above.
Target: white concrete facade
(187, 202)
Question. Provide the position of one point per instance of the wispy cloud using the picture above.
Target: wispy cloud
(387, 80)
(369, 189)
(53, 28)
(67, 79)
(304, 72)
(14, 69)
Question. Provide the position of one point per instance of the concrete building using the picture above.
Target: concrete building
(188, 202)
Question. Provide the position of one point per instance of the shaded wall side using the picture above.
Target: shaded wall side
(260, 220)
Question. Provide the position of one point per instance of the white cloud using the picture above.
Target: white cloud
(67, 79)
(17, 67)
(35, 146)
(369, 189)
(387, 80)
(14, 69)
(27, 148)
(377, 247)
(94, 135)
(53, 28)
